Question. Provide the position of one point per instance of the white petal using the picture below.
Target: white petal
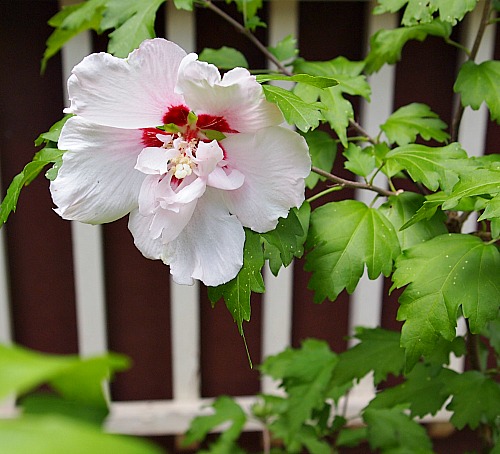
(139, 227)
(97, 181)
(154, 161)
(208, 156)
(169, 224)
(210, 248)
(238, 97)
(275, 162)
(127, 93)
(225, 179)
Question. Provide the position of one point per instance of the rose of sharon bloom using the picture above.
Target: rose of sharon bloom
(192, 157)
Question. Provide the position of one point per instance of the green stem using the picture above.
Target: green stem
(323, 193)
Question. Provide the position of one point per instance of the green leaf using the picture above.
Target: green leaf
(423, 391)
(305, 374)
(337, 110)
(421, 11)
(386, 45)
(78, 380)
(323, 150)
(286, 49)
(224, 58)
(236, 293)
(445, 274)
(431, 166)
(402, 208)
(344, 236)
(378, 351)
(296, 112)
(476, 399)
(286, 241)
(69, 22)
(479, 182)
(360, 161)
(184, 4)
(314, 81)
(226, 410)
(403, 126)
(478, 83)
(492, 332)
(392, 431)
(249, 10)
(36, 434)
(133, 23)
(52, 135)
(28, 174)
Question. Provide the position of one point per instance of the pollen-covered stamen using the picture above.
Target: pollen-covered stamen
(182, 165)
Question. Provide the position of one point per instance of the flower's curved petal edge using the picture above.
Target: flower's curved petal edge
(275, 161)
(97, 182)
(238, 97)
(139, 226)
(135, 92)
(210, 247)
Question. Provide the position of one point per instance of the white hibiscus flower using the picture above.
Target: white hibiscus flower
(192, 157)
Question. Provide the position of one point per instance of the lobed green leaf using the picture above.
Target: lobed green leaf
(403, 126)
(431, 166)
(478, 83)
(286, 49)
(445, 274)
(343, 238)
(297, 112)
(236, 293)
(323, 150)
(315, 81)
(360, 161)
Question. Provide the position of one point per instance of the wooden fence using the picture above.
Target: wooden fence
(69, 287)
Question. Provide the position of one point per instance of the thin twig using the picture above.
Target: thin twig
(354, 184)
(485, 17)
(362, 131)
(208, 4)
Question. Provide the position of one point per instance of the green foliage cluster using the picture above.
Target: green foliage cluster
(414, 236)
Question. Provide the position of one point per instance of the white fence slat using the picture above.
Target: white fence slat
(366, 302)
(184, 300)
(278, 298)
(5, 314)
(87, 243)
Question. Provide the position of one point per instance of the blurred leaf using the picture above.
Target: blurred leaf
(378, 351)
(442, 275)
(296, 112)
(224, 58)
(226, 410)
(423, 391)
(476, 399)
(184, 4)
(478, 83)
(54, 434)
(386, 45)
(403, 126)
(391, 431)
(343, 238)
(286, 49)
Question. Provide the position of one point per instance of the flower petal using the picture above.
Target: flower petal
(275, 162)
(97, 181)
(154, 161)
(238, 98)
(210, 248)
(220, 179)
(207, 157)
(135, 92)
(139, 226)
